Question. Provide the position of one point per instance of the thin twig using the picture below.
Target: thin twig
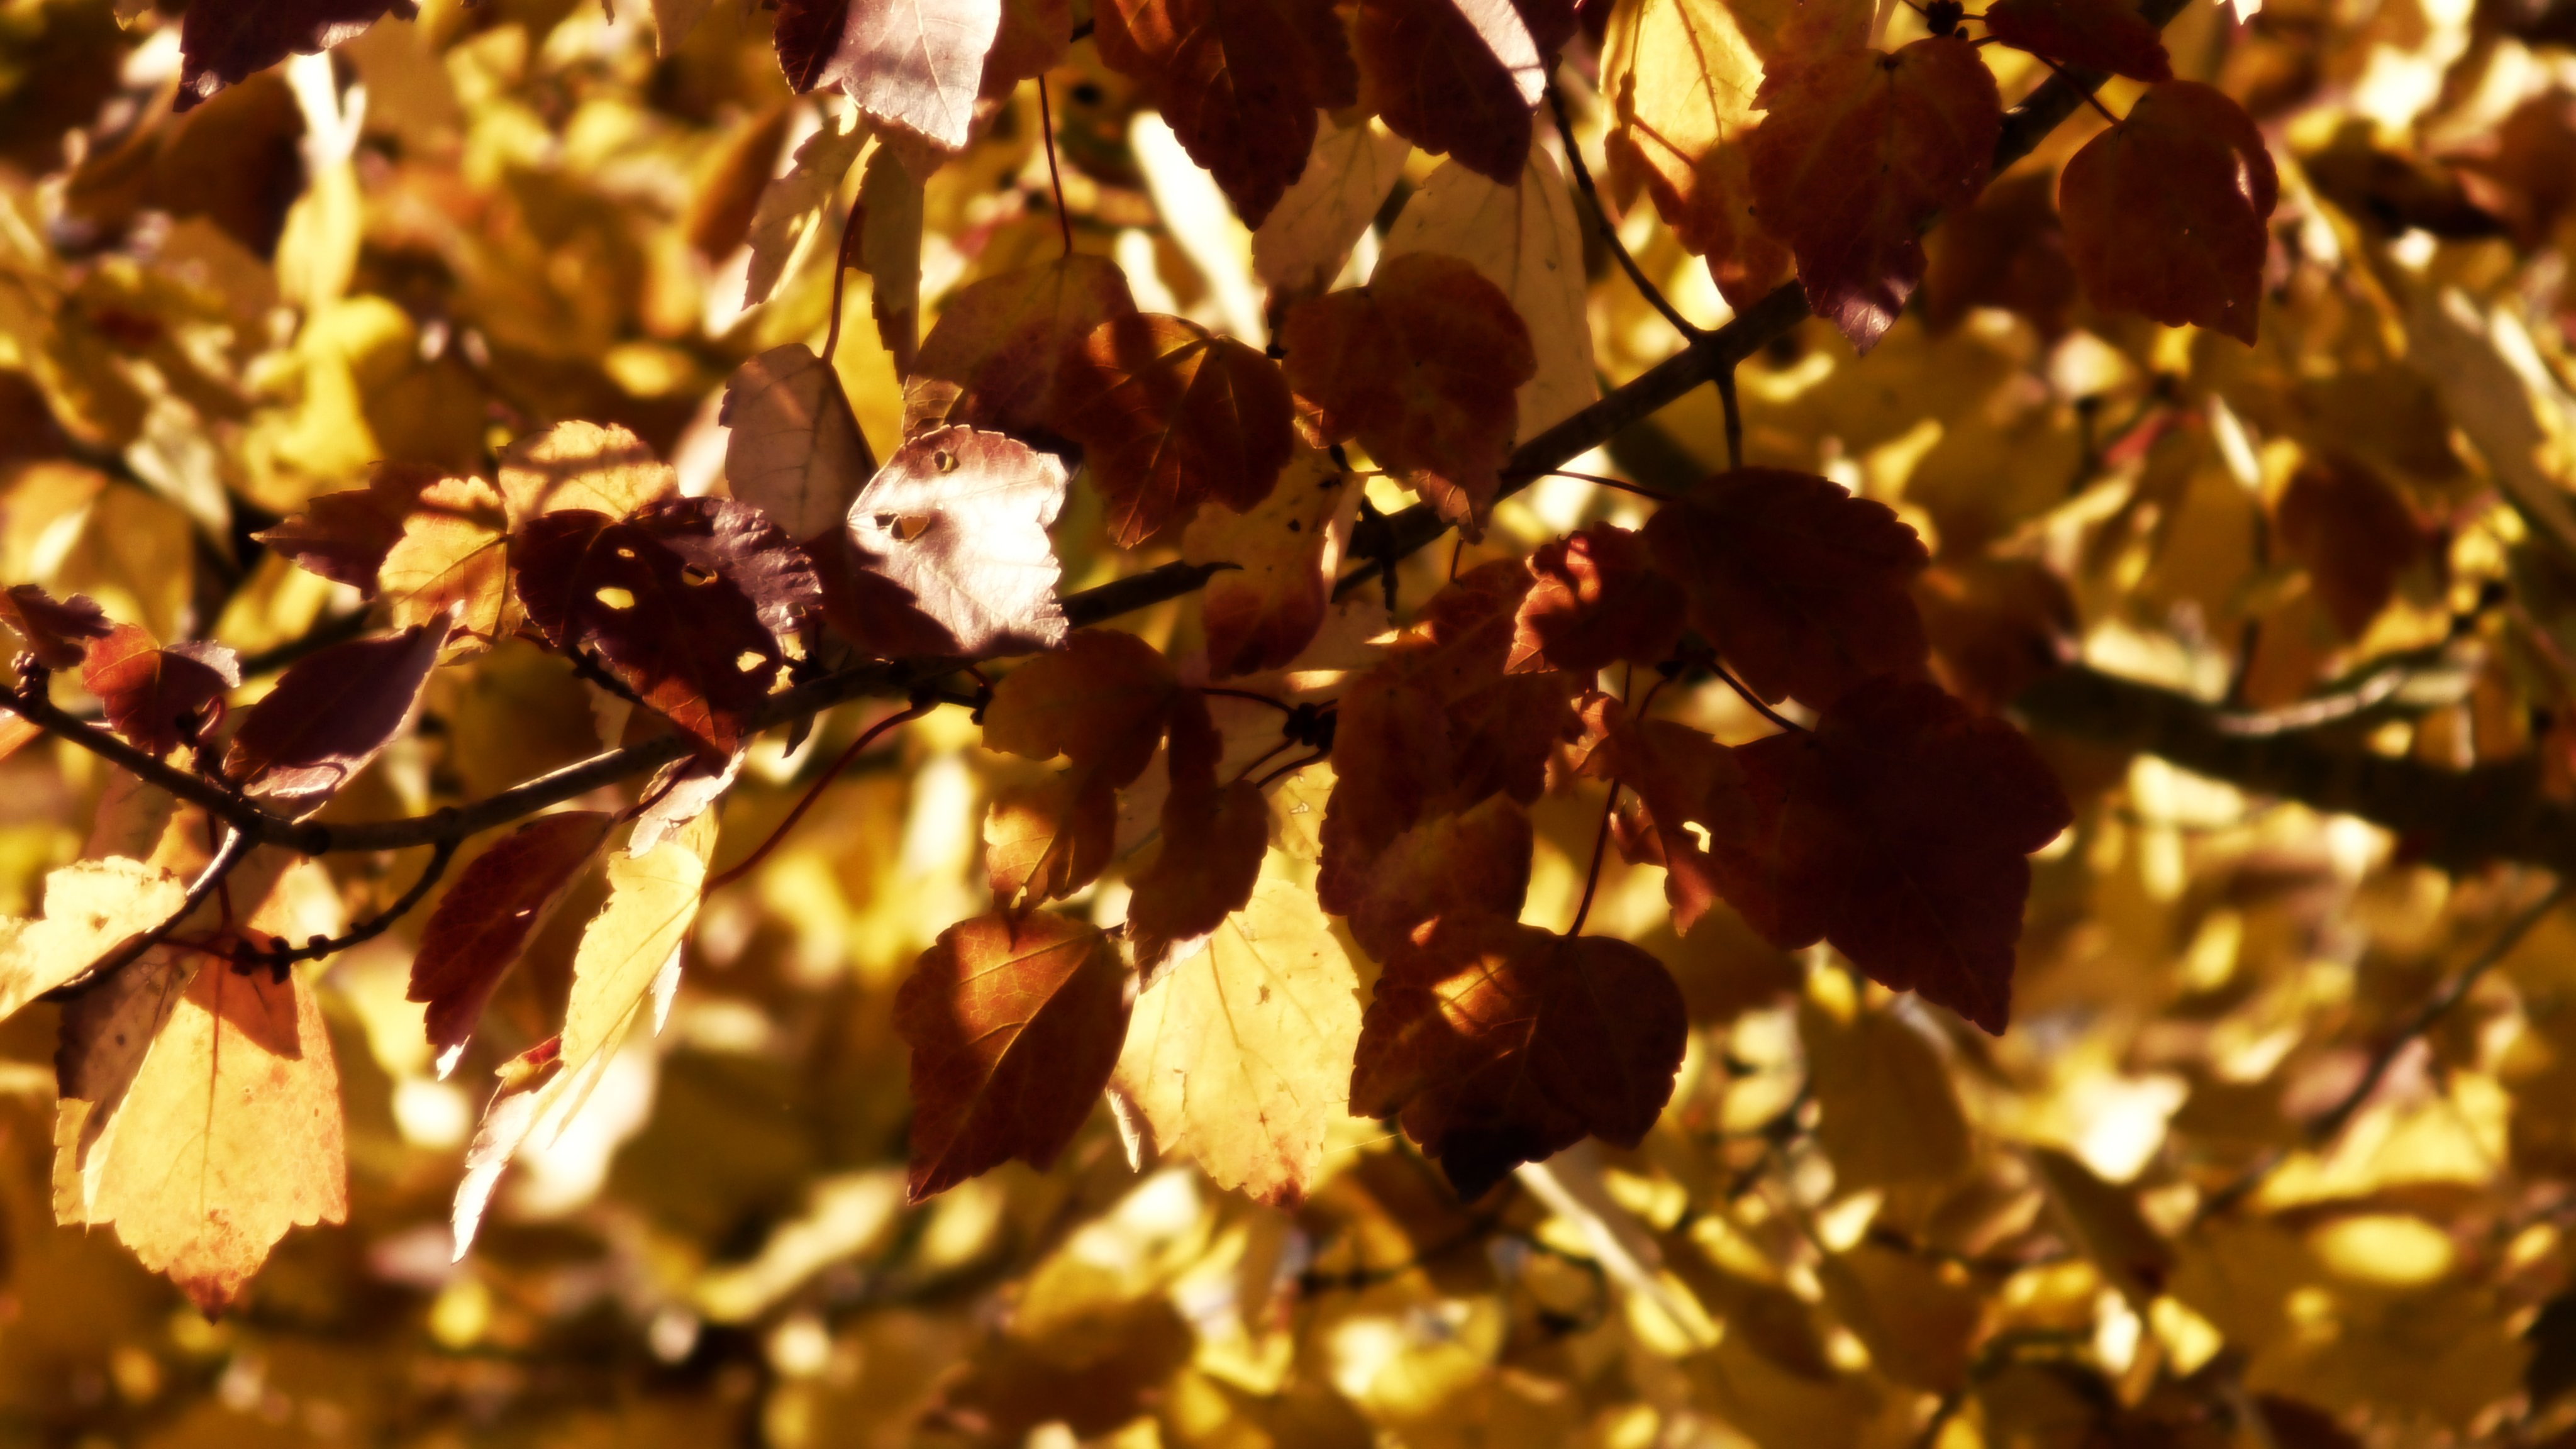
(1055, 178)
(214, 799)
(1640, 489)
(317, 947)
(1257, 698)
(1734, 416)
(857, 747)
(1592, 876)
(236, 845)
(1745, 693)
(1609, 237)
(850, 226)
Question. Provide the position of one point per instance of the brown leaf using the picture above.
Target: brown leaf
(1858, 150)
(56, 631)
(889, 251)
(1799, 584)
(2165, 211)
(947, 551)
(1014, 1027)
(1461, 77)
(2352, 532)
(1995, 624)
(1032, 41)
(1594, 600)
(344, 536)
(1475, 863)
(157, 697)
(992, 362)
(485, 920)
(1169, 416)
(2008, 251)
(1500, 1044)
(1261, 613)
(684, 603)
(1240, 82)
(2095, 34)
(795, 452)
(1043, 842)
(1682, 778)
(1214, 837)
(605, 470)
(1421, 365)
(91, 908)
(918, 64)
(1101, 703)
(224, 42)
(330, 715)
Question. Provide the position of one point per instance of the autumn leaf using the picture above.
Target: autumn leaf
(1262, 612)
(330, 715)
(229, 1135)
(157, 697)
(684, 604)
(2096, 34)
(1169, 415)
(994, 359)
(1496, 1044)
(2352, 532)
(889, 250)
(1101, 704)
(1799, 584)
(1887, 1113)
(1032, 41)
(791, 206)
(486, 919)
(1461, 77)
(1301, 245)
(56, 631)
(906, 63)
(1857, 151)
(1421, 366)
(2009, 251)
(1237, 1054)
(581, 466)
(1468, 865)
(223, 43)
(1679, 77)
(947, 551)
(1525, 239)
(2165, 211)
(91, 908)
(1014, 1027)
(1995, 625)
(1683, 779)
(451, 556)
(1213, 839)
(1239, 81)
(1595, 598)
(344, 535)
(795, 452)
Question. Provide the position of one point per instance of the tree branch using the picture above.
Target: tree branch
(235, 847)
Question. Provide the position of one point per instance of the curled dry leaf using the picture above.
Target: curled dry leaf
(157, 697)
(1238, 1052)
(1214, 837)
(795, 452)
(330, 715)
(1799, 584)
(1857, 152)
(1301, 245)
(1421, 366)
(1014, 1027)
(947, 551)
(586, 466)
(1461, 77)
(56, 631)
(486, 919)
(1169, 416)
(1595, 598)
(227, 41)
(91, 908)
(2102, 35)
(993, 360)
(684, 604)
(1239, 81)
(2165, 211)
(1499, 1044)
(1261, 613)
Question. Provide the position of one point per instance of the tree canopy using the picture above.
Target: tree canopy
(1797, 723)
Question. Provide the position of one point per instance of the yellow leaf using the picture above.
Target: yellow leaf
(1889, 1113)
(90, 907)
(1239, 1055)
(582, 465)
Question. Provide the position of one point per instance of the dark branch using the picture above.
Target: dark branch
(236, 845)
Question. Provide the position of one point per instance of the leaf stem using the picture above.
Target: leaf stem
(1592, 876)
(857, 747)
(1745, 692)
(850, 225)
(320, 946)
(1609, 236)
(1640, 489)
(1055, 178)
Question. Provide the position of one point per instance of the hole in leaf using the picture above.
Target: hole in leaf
(944, 461)
(905, 530)
(1698, 833)
(695, 575)
(624, 552)
(749, 660)
(615, 597)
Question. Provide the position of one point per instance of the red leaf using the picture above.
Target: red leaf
(1996, 624)
(806, 33)
(1101, 704)
(1421, 366)
(1860, 148)
(222, 42)
(2008, 251)
(1461, 77)
(1594, 599)
(915, 63)
(486, 919)
(1800, 585)
(947, 552)
(2352, 532)
(1472, 864)
(330, 715)
(345, 536)
(1214, 837)
(2165, 211)
(157, 697)
(1240, 81)
(994, 359)
(1682, 778)
(56, 631)
(1169, 416)
(1501, 1044)
(1014, 1028)
(2096, 34)
(683, 604)
(1900, 832)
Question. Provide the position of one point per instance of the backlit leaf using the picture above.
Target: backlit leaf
(451, 555)
(1301, 245)
(995, 358)
(1461, 77)
(1680, 77)
(223, 43)
(948, 551)
(1472, 864)
(1239, 81)
(330, 715)
(1169, 416)
(1213, 839)
(2165, 211)
(1595, 598)
(585, 466)
(344, 536)
(795, 452)
(91, 907)
(56, 631)
(1261, 613)
(2096, 34)
(486, 919)
(918, 64)
(157, 697)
